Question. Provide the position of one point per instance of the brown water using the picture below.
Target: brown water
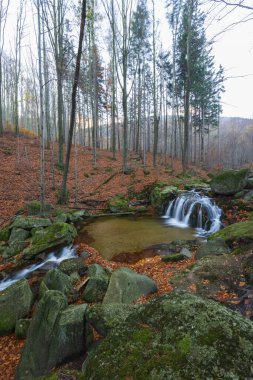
(113, 236)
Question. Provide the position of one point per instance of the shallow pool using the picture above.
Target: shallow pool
(113, 236)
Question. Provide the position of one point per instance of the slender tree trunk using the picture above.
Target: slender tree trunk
(63, 197)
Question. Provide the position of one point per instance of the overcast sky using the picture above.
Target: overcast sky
(232, 49)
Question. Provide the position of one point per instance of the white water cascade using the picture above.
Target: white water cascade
(54, 259)
(194, 210)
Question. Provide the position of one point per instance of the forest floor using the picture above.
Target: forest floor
(90, 187)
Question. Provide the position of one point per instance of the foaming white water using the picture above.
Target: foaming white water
(55, 258)
(206, 213)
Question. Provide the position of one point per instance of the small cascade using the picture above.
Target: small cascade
(53, 260)
(194, 210)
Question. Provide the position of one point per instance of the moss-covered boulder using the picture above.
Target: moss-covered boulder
(97, 285)
(30, 222)
(242, 231)
(213, 247)
(160, 194)
(57, 280)
(70, 216)
(5, 234)
(75, 264)
(69, 337)
(52, 236)
(15, 303)
(36, 359)
(126, 286)
(21, 328)
(179, 337)
(17, 242)
(229, 182)
(118, 204)
(105, 317)
(56, 333)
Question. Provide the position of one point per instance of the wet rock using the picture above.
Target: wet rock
(126, 286)
(52, 236)
(15, 303)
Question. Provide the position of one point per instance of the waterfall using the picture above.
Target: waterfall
(194, 210)
(54, 259)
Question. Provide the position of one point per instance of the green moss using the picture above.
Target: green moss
(229, 182)
(177, 336)
(118, 204)
(5, 234)
(52, 236)
(235, 232)
(173, 258)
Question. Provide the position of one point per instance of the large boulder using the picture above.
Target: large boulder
(212, 248)
(176, 337)
(242, 231)
(229, 182)
(97, 285)
(57, 280)
(36, 359)
(30, 222)
(52, 236)
(17, 242)
(15, 303)
(57, 332)
(69, 338)
(126, 286)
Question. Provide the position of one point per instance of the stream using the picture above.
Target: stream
(189, 216)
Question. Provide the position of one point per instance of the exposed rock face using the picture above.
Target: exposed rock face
(213, 248)
(15, 303)
(179, 337)
(126, 286)
(229, 182)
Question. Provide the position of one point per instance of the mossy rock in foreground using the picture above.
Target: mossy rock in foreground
(52, 236)
(242, 231)
(229, 182)
(176, 337)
